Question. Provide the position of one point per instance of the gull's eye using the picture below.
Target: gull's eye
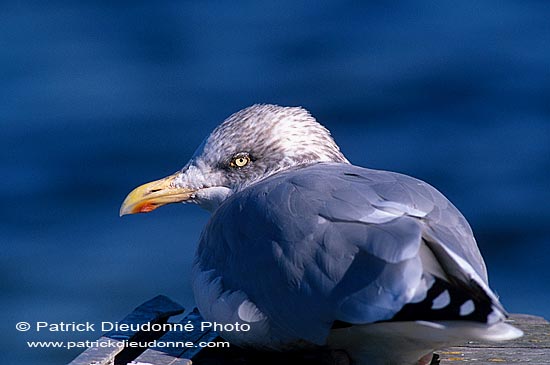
(240, 160)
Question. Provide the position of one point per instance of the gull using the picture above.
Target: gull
(312, 252)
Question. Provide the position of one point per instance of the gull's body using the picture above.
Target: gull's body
(310, 250)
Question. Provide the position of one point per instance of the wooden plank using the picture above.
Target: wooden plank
(109, 350)
(173, 355)
(495, 355)
(532, 348)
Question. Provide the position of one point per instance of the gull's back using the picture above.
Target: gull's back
(346, 256)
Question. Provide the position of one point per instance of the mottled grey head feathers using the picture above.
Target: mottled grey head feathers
(258, 141)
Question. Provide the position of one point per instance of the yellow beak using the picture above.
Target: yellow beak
(150, 196)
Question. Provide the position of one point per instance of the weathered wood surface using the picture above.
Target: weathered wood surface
(532, 348)
(176, 355)
(156, 310)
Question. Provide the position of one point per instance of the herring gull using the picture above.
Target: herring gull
(310, 250)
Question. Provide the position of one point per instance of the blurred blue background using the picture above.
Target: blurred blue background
(99, 97)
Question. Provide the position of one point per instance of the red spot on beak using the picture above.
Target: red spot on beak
(146, 207)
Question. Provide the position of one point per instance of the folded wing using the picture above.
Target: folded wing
(338, 244)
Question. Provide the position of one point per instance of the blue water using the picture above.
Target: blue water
(98, 97)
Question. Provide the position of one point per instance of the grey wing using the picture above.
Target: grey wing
(333, 242)
(394, 195)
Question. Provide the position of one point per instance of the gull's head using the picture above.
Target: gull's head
(249, 146)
